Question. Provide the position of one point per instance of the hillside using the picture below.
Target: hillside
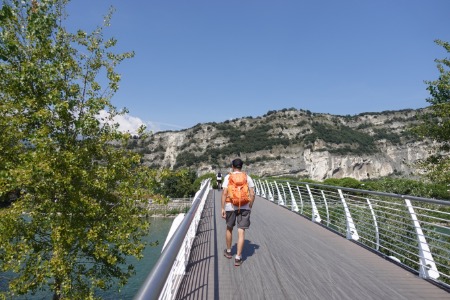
(295, 143)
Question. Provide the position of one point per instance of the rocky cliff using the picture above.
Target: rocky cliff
(295, 143)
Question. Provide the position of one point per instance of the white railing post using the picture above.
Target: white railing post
(294, 206)
(284, 194)
(272, 190)
(264, 193)
(352, 234)
(301, 199)
(261, 188)
(269, 191)
(428, 268)
(257, 193)
(315, 212)
(326, 207)
(374, 217)
(280, 199)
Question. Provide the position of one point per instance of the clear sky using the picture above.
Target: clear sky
(203, 61)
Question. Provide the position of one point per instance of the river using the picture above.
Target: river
(159, 229)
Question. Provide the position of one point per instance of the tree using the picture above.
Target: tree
(436, 121)
(77, 214)
(177, 184)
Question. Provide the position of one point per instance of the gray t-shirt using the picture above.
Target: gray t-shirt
(228, 205)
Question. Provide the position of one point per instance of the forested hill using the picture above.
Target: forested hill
(294, 142)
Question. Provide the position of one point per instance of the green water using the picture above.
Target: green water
(158, 231)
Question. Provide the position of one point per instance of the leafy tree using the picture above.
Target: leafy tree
(177, 184)
(76, 217)
(358, 142)
(436, 121)
(198, 181)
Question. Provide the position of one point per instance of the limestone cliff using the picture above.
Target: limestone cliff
(296, 143)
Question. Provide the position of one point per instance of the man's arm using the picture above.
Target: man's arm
(252, 196)
(251, 190)
(224, 198)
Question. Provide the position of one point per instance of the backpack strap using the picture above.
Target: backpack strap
(228, 199)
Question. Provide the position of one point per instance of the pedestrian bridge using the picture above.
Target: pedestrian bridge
(310, 241)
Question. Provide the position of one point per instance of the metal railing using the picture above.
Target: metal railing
(412, 231)
(165, 278)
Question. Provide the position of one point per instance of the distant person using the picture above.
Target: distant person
(237, 200)
(219, 180)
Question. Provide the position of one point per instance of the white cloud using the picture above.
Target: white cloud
(127, 123)
(158, 126)
(152, 126)
(131, 124)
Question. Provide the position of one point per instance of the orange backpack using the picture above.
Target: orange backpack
(238, 191)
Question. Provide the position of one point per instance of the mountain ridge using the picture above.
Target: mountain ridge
(295, 142)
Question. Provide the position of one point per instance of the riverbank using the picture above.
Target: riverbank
(169, 210)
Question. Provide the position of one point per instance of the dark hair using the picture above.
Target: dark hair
(237, 163)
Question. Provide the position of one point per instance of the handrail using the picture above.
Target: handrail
(156, 281)
(428, 200)
(412, 231)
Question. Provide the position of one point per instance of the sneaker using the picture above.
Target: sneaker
(238, 262)
(227, 254)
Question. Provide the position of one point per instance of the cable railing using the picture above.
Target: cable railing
(412, 231)
(166, 276)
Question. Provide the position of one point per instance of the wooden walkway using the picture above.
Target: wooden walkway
(289, 257)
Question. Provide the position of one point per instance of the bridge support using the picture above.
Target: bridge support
(269, 191)
(257, 191)
(301, 200)
(315, 212)
(280, 199)
(326, 207)
(374, 217)
(352, 234)
(294, 206)
(427, 267)
(262, 191)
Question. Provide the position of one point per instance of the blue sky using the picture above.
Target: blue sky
(203, 61)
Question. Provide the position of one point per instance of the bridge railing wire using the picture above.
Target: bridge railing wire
(412, 231)
(166, 276)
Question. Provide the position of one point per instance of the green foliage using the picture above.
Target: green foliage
(343, 182)
(356, 142)
(436, 121)
(385, 134)
(186, 158)
(407, 187)
(76, 216)
(240, 141)
(177, 184)
(261, 158)
(198, 181)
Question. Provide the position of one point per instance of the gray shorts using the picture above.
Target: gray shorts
(241, 217)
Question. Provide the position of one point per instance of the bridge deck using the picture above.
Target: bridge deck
(289, 257)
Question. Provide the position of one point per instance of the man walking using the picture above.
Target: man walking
(219, 180)
(237, 200)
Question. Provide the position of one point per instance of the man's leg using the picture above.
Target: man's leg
(229, 237)
(240, 242)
